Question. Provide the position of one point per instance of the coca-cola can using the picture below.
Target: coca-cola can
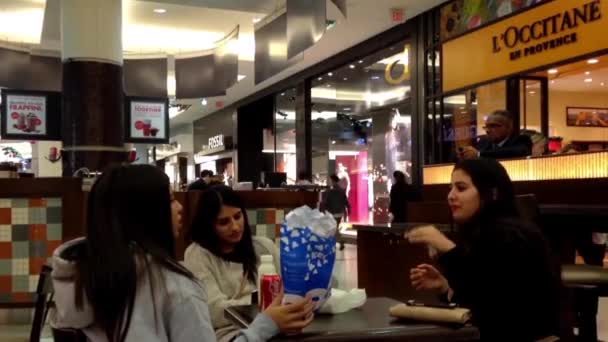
(270, 288)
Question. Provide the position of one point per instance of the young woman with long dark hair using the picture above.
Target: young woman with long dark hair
(499, 266)
(122, 283)
(225, 256)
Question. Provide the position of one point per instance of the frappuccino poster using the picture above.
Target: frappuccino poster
(148, 120)
(26, 115)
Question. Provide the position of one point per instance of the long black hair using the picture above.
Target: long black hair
(203, 228)
(496, 195)
(129, 232)
(494, 186)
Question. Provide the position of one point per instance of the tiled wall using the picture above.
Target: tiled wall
(266, 221)
(30, 229)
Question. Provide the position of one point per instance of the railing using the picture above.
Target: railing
(565, 166)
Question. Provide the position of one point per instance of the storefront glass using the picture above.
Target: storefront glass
(213, 145)
(361, 128)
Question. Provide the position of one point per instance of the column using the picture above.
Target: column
(303, 129)
(93, 100)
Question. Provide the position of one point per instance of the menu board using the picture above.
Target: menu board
(30, 115)
(26, 115)
(147, 120)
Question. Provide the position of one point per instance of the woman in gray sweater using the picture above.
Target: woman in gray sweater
(225, 256)
(121, 283)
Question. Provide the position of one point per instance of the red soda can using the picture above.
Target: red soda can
(270, 288)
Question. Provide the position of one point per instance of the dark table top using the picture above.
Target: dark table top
(574, 209)
(371, 322)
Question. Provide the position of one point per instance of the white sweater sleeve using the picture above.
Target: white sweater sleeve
(201, 264)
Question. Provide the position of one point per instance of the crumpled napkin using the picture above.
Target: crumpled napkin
(342, 301)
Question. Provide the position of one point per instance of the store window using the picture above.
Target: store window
(282, 145)
(361, 128)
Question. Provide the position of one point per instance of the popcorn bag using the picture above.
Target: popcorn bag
(308, 254)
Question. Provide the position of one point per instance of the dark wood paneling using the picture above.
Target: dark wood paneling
(92, 113)
(383, 266)
(303, 129)
(562, 191)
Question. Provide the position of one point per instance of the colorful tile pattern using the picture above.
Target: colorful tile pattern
(30, 229)
(266, 221)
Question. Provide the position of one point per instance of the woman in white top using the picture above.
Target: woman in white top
(122, 283)
(225, 256)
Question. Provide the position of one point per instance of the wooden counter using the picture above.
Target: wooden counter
(38, 214)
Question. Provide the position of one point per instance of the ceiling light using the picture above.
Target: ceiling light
(552, 71)
(204, 102)
(375, 77)
(361, 62)
(328, 85)
(593, 61)
(602, 84)
(532, 92)
(330, 74)
(588, 80)
(240, 77)
(282, 94)
(346, 109)
(333, 142)
(587, 72)
(256, 20)
(160, 10)
(346, 78)
(352, 66)
(552, 81)
(320, 79)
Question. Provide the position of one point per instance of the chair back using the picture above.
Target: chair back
(44, 293)
(527, 205)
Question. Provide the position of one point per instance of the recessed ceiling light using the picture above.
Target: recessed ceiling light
(375, 77)
(346, 78)
(552, 81)
(328, 85)
(160, 10)
(593, 61)
(240, 77)
(282, 94)
(204, 102)
(346, 108)
(352, 66)
(361, 62)
(330, 74)
(532, 92)
(588, 80)
(552, 71)
(587, 72)
(602, 84)
(320, 78)
(333, 142)
(256, 20)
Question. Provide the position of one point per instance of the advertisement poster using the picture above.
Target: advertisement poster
(148, 120)
(26, 115)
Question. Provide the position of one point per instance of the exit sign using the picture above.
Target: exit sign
(397, 15)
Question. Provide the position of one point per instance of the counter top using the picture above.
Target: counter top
(397, 228)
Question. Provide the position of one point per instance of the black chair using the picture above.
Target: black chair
(587, 283)
(44, 294)
(44, 302)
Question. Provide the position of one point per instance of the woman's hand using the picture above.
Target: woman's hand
(428, 278)
(291, 318)
(430, 236)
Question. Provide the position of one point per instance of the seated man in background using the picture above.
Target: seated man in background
(202, 183)
(500, 141)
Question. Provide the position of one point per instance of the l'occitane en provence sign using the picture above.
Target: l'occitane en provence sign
(549, 33)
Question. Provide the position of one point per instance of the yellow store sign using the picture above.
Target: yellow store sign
(550, 33)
